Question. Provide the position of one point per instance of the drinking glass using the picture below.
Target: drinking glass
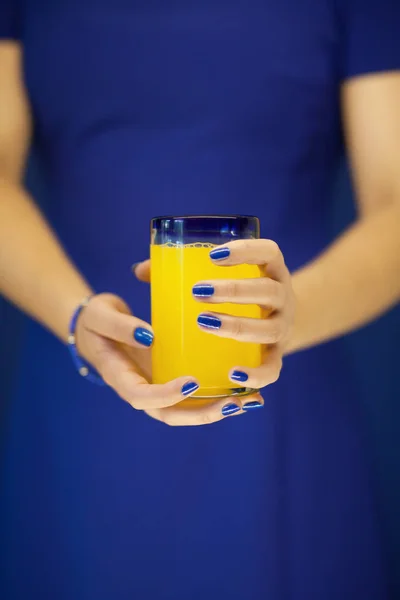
(180, 258)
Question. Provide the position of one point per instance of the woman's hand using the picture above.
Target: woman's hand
(273, 293)
(118, 345)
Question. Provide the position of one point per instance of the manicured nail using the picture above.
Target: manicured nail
(220, 253)
(204, 290)
(230, 409)
(143, 336)
(239, 376)
(209, 321)
(189, 388)
(251, 405)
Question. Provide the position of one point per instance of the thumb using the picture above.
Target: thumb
(109, 316)
(142, 270)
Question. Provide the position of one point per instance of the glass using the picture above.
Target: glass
(180, 248)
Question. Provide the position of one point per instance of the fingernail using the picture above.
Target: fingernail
(251, 405)
(209, 321)
(133, 267)
(239, 376)
(230, 409)
(203, 291)
(220, 253)
(143, 336)
(188, 388)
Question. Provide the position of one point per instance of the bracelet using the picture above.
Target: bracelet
(82, 367)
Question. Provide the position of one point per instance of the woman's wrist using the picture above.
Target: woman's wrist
(63, 314)
(83, 367)
(302, 331)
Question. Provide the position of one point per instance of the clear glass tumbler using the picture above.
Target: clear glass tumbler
(180, 258)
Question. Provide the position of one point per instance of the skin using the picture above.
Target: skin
(355, 280)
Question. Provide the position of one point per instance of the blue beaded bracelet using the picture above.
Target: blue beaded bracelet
(83, 368)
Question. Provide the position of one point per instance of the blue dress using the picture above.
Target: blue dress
(144, 107)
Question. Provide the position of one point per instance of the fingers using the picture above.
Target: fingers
(263, 291)
(201, 413)
(252, 252)
(145, 396)
(142, 270)
(119, 372)
(109, 316)
(164, 402)
(259, 377)
(260, 331)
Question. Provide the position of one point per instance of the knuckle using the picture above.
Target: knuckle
(272, 292)
(283, 294)
(274, 331)
(122, 387)
(168, 420)
(274, 374)
(130, 399)
(237, 327)
(274, 248)
(247, 244)
(206, 419)
(274, 370)
(232, 289)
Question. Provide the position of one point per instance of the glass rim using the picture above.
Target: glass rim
(217, 216)
(220, 228)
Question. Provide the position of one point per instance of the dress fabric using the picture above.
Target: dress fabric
(151, 107)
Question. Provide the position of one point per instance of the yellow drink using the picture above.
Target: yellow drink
(180, 346)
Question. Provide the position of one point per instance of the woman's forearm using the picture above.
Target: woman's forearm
(353, 282)
(35, 273)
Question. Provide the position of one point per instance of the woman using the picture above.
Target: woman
(142, 108)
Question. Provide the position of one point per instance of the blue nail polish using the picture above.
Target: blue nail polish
(143, 336)
(220, 253)
(230, 409)
(251, 405)
(239, 376)
(189, 388)
(209, 321)
(203, 291)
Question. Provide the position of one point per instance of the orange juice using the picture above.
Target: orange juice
(180, 346)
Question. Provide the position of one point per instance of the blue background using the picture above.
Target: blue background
(374, 352)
